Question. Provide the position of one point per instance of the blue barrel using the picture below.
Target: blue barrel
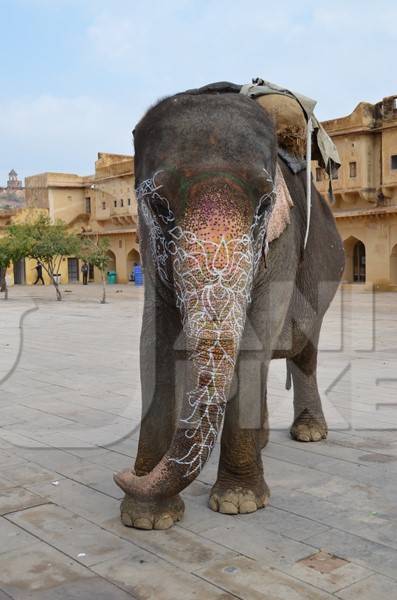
(112, 277)
(138, 275)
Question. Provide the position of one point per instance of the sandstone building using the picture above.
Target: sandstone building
(102, 204)
(365, 201)
(365, 191)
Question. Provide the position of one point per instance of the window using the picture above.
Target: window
(395, 104)
(353, 169)
(88, 205)
(319, 174)
(335, 173)
(121, 202)
(115, 204)
(103, 205)
(120, 243)
(394, 161)
(129, 201)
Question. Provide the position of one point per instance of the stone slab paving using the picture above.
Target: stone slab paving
(69, 417)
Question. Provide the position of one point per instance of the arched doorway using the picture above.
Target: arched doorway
(112, 260)
(355, 269)
(359, 263)
(393, 265)
(133, 258)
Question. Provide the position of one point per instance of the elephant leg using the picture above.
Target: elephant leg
(309, 422)
(240, 485)
(159, 333)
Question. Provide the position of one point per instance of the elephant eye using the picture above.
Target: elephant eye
(161, 208)
(262, 188)
(265, 204)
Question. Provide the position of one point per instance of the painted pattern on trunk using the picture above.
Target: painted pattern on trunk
(212, 281)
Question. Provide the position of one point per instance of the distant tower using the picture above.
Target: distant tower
(13, 182)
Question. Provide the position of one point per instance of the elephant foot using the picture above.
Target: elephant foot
(307, 428)
(234, 499)
(151, 515)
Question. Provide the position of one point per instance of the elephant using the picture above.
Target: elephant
(229, 286)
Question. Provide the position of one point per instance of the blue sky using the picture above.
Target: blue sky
(76, 75)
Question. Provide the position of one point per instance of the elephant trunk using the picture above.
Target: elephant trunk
(213, 359)
(213, 266)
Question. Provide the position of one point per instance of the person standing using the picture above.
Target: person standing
(84, 270)
(132, 275)
(3, 275)
(39, 277)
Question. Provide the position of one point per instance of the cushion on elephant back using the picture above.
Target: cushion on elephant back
(289, 121)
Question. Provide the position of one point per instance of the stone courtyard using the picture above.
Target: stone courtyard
(69, 418)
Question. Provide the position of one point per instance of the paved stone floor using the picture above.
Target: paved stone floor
(69, 412)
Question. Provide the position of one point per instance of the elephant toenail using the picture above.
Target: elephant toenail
(165, 522)
(248, 506)
(126, 519)
(228, 508)
(143, 523)
(213, 504)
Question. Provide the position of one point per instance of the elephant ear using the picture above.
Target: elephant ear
(280, 216)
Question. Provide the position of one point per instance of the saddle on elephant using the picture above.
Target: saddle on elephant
(289, 121)
(291, 113)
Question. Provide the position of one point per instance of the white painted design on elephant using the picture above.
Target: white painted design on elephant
(147, 194)
(212, 283)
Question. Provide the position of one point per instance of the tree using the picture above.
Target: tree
(46, 242)
(11, 250)
(95, 252)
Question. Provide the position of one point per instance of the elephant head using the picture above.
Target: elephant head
(206, 170)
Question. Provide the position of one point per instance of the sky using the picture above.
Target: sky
(77, 75)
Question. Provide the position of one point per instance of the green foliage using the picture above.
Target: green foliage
(10, 250)
(45, 241)
(95, 252)
(5, 252)
(48, 243)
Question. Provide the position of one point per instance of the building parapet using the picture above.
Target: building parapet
(365, 118)
(58, 180)
(113, 165)
(367, 212)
